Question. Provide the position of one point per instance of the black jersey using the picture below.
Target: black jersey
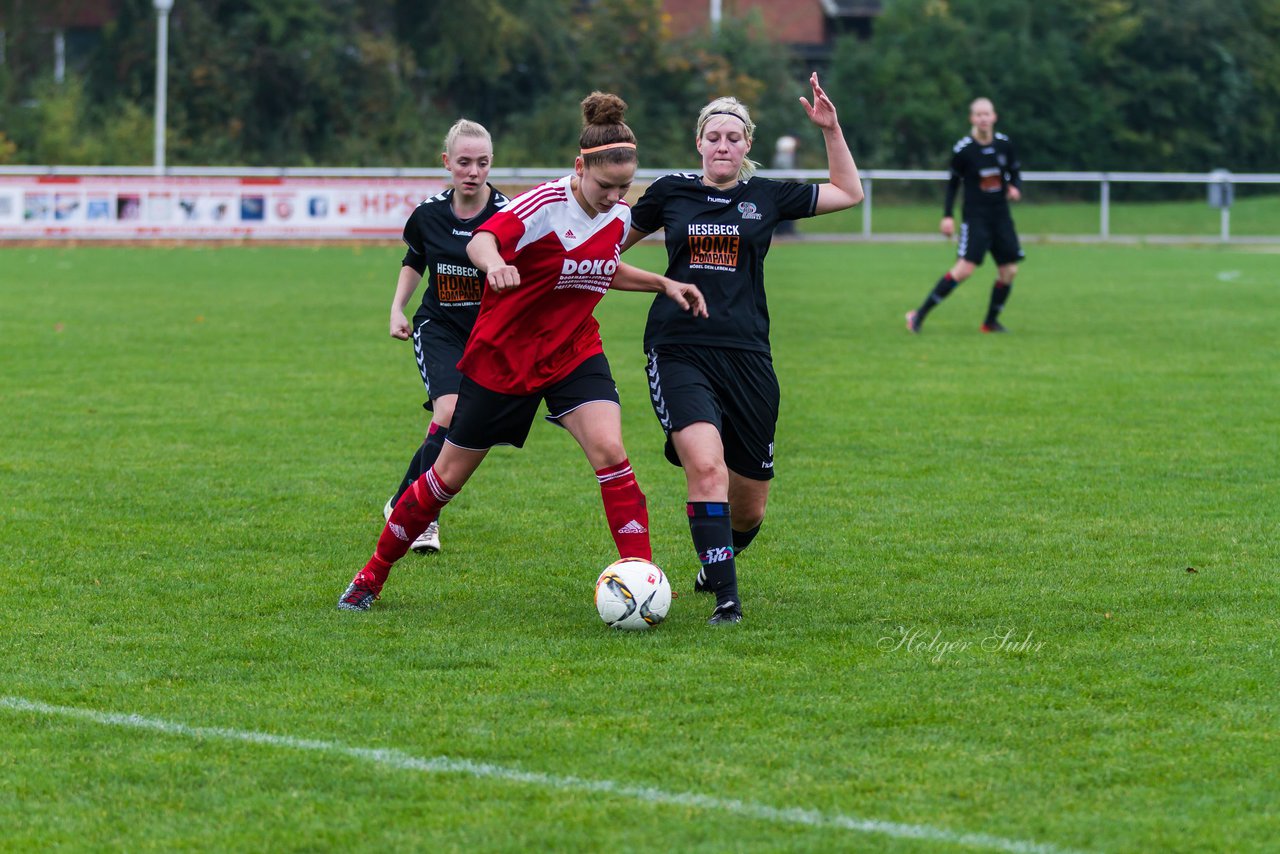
(986, 170)
(437, 242)
(717, 240)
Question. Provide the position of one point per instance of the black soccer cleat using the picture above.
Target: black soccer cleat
(913, 322)
(700, 583)
(729, 612)
(358, 596)
(993, 326)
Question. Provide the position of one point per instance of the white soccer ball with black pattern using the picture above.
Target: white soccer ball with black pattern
(632, 594)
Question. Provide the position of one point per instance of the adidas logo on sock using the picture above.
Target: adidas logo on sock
(632, 527)
(398, 531)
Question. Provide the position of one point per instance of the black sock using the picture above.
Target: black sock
(940, 291)
(713, 539)
(423, 459)
(742, 539)
(999, 295)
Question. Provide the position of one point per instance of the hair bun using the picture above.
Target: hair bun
(603, 108)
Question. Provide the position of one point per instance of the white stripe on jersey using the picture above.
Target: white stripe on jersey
(552, 209)
(525, 205)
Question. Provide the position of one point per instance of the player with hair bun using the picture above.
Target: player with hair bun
(548, 257)
(711, 379)
(436, 235)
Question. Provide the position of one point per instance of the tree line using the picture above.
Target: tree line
(1157, 85)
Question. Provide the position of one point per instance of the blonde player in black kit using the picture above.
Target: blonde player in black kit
(711, 379)
(986, 163)
(437, 234)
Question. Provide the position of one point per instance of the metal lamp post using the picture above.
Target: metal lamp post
(162, 75)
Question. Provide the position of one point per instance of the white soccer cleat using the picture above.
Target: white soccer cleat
(429, 541)
(386, 511)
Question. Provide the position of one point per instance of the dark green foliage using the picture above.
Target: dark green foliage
(1182, 85)
(1081, 84)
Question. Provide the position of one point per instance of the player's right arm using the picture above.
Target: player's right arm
(948, 224)
(412, 269)
(483, 252)
(405, 286)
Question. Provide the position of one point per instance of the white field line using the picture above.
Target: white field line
(446, 765)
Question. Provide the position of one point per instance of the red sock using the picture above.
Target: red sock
(625, 508)
(417, 508)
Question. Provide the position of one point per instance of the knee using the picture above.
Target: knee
(442, 409)
(747, 515)
(706, 476)
(605, 453)
(1007, 272)
(613, 453)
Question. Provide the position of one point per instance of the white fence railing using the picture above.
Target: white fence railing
(30, 196)
(1219, 184)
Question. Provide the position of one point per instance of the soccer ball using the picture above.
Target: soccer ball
(632, 594)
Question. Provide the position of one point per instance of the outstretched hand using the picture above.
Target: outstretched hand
(687, 296)
(821, 112)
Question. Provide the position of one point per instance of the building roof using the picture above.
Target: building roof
(800, 23)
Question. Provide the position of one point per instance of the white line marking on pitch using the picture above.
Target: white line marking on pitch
(446, 765)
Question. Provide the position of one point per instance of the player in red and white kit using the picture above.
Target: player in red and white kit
(548, 258)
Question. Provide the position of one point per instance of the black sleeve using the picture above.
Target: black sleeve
(953, 185)
(1014, 172)
(796, 200)
(416, 256)
(646, 214)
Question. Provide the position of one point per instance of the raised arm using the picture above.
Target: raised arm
(845, 187)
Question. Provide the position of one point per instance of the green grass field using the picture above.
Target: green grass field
(971, 617)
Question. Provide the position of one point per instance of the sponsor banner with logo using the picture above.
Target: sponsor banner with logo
(83, 207)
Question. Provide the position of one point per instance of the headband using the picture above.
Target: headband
(607, 147)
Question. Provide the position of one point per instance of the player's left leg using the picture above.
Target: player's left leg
(748, 498)
(1007, 252)
(586, 404)
(597, 427)
(752, 400)
(701, 454)
(999, 296)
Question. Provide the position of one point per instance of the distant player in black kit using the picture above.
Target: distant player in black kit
(437, 234)
(711, 379)
(987, 164)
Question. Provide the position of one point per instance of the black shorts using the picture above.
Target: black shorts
(736, 390)
(438, 349)
(485, 418)
(994, 233)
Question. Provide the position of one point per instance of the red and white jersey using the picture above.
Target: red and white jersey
(534, 335)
